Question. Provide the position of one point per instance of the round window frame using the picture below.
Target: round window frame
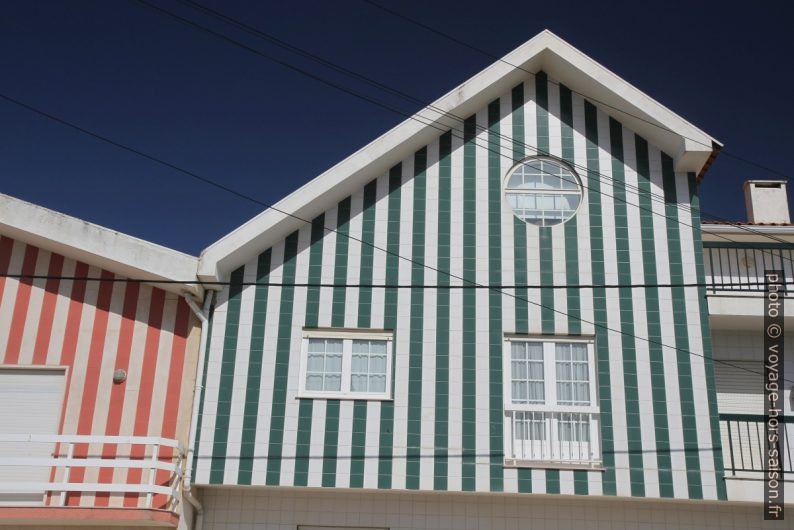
(557, 161)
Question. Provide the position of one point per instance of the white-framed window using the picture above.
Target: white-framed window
(543, 191)
(551, 407)
(346, 363)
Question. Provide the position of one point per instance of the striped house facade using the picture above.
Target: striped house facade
(439, 218)
(89, 329)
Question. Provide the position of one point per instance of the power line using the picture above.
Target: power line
(304, 53)
(220, 283)
(500, 59)
(32, 277)
(288, 214)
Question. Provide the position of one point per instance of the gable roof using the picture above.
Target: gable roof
(692, 149)
(96, 245)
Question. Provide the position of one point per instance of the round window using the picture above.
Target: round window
(543, 191)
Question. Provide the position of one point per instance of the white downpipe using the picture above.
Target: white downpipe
(203, 316)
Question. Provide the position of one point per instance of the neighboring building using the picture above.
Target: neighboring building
(736, 256)
(379, 406)
(96, 377)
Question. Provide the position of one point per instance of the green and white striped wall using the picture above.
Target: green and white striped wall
(443, 207)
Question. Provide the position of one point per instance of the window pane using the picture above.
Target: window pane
(377, 383)
(377, 364)
(518, 350)
(333, 382)
(359, 363)
(314, 382)
(314, 362)
(333, 363)
(368, 367)
(333, 345)
(527, 372)
(358, 383)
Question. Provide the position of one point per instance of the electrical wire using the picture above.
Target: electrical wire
(244, 196)
(502, 60)
(221, 283)
(304, 53)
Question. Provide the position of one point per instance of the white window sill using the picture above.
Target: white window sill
(545, 464)
(344, 396)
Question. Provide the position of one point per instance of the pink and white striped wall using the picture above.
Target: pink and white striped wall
(92, 328)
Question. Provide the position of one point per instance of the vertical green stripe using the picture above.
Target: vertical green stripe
(469, 405)
(340, 263)
(495, 332)
(599, 298)
(367, 254)
(416, 341)
(542, 113)
(203, 389)
(705, 330)
(331, 438)
(283, 348)
(629, 346)
(390, 322)
(519, 226)
(546, 253)
(658, 388)
(358, 444)
(306, 406)
(359, 439)
(331, 443)
(303, 442)
(226, 383)
(315, 271)
(441, 435)
(688, 417)
(251, 408)
(574, 303)
(520, 250)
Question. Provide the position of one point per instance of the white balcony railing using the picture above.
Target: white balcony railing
(51, 479)
(561, 438)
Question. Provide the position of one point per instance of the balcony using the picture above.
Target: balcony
(552, 438)
(743, 452)
(95, 480)
(735, 281)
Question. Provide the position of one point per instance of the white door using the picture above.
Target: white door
(30, 403)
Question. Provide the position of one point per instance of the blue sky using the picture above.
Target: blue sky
(146, 81)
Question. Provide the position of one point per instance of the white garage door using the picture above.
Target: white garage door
(30, 403)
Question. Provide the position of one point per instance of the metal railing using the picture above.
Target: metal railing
(158, 462)
(741, 269)
(743, 445)
(559, 437)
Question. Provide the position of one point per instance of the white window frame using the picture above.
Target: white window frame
(550, 405)
(347, 336)
(578, 191)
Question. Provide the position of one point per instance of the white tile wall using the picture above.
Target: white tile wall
(282, 509)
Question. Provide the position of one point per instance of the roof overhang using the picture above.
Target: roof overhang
(691, 148)
(98, 246)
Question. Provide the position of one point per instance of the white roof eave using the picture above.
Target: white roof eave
(95, 245)
(690, 147)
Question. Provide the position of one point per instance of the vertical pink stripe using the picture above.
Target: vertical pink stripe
(47, 310)
(118, 390)
(87, 405)
(149, 366)
(19, 317)
(173, 393)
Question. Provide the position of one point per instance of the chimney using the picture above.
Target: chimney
(766, 201)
